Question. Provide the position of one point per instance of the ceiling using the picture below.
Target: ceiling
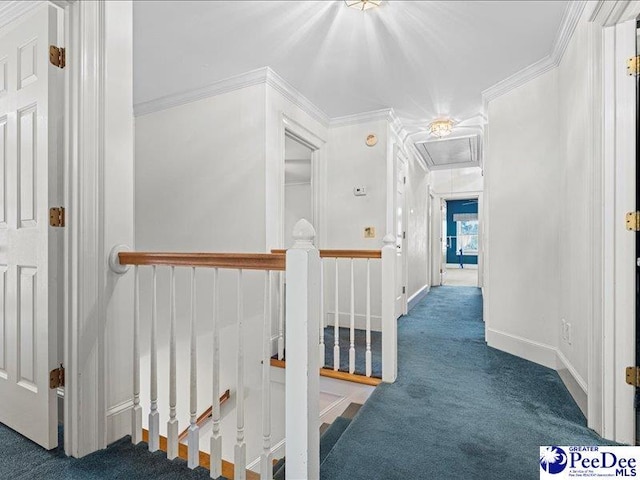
(423, 59)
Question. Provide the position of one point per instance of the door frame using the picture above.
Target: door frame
(611, 159)
(477, 195)
(291, 128)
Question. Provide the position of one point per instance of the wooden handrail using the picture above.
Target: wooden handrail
(205, 416)
(244, 261)
(340, 253)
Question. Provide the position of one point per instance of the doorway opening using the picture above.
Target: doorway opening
(461, 242)
(298, 186)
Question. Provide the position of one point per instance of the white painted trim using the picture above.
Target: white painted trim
(294, 96)
(264, 75)
(416, 297)
(11, 11)
(521, 347)
(277, 451)
(119, 421)
(364, 117)
(570, 19)
(573, 381)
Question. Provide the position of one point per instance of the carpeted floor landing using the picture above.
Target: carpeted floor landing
(459, 409)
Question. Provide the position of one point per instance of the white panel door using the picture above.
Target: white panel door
(401, 240)
(28, 266)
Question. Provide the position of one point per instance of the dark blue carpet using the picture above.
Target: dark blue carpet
(360, 347)
(459, 409)
(21, 459)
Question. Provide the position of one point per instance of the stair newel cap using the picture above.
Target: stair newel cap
(303, 234)
(389, 239)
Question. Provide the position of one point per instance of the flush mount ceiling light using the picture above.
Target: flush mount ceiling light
(441, 128)
(363, 4)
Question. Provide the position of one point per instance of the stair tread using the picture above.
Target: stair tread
(328, 439)
(352, 410)
(331, 436)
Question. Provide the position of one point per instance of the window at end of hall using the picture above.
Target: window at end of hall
(468, 236)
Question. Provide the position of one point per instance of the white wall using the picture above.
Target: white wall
(523, 181)
(457, 181)
(576, 205)
(536, 169)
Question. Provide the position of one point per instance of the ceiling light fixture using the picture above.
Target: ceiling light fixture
(441, 128)
(363, 4)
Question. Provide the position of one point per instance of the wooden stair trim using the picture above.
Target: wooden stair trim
(205, 461)
(329, 373)
(205, 416)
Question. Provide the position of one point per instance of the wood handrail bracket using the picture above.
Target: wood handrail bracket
(341, 253)
(205, 416)
(243, 261)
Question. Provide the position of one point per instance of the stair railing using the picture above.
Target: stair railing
(386, 304)
(267, 263)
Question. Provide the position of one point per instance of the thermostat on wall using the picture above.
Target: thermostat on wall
(359, 191)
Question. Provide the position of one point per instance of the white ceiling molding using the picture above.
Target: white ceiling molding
(264, 75)
(357, 118)
(609, 12)
(248, 79)
(10, 11)
(570, 19)
(295, 97)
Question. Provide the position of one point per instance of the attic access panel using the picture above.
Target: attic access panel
(450, 153)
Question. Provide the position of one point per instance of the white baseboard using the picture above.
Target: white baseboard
(545, 355)
(521, 347)
(416, 297)
(573, 381)
(277, 452)
(119, 421)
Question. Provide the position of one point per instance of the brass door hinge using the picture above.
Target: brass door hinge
(633, 376)
(57, 56)
(633, 221)
(56, 216)
(633, 65)
(56, 377)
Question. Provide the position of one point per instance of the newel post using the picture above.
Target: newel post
(302, 372)
(389, 321)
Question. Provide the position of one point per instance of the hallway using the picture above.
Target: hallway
(459, 408)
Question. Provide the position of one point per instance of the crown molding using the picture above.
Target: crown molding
(570, 19)
(264, 75)
(346, 120)
(294, 96)
(244, 80)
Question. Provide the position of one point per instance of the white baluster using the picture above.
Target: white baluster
(368, 327)
(172, 424)
(154, 416)
(281, 318)
(389, 323)
(193, 440)
(240, 450)
(216, 437)
(136, 413)
(336, 326)
(266, 466)
(321, 348)
(352, 327)
(301, 375)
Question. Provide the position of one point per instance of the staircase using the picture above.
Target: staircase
(329, 436)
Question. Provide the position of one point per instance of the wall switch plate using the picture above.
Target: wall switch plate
(569, 334)
(359, 191)
(563, 329)
(369, 232)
